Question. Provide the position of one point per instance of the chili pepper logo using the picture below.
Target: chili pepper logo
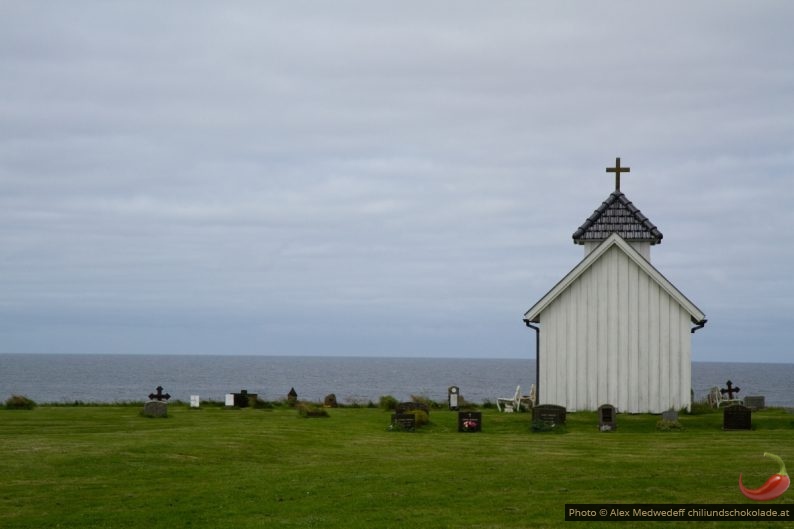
(774, 487)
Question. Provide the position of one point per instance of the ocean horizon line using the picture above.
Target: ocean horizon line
(347, 356)
(54, 377)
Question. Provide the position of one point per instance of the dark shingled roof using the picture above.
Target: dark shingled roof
(617, 215)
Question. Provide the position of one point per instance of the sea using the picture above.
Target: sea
(62, 378)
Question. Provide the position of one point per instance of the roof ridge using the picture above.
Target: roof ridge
(634, 227)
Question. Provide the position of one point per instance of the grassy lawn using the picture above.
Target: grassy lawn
(92, 467)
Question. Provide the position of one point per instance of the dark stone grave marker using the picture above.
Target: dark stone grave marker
(607, 420)
(670, 415)
(737, 417)
(404, 421)
(404, 407)
(244, 399)
(469, 421)
(551, 414)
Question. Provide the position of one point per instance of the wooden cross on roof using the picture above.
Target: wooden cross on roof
(617, 170)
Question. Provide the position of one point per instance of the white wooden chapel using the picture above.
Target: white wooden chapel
(614, 330)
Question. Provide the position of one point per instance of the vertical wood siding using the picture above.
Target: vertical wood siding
(615, 337)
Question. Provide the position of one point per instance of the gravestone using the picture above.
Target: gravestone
(404, 421)
(194, 401)
(244, 399)
(737, 417)
(404, 407)
(155, 408)
(230, 400)
(550, 414)
(157, 405)
(292, 396)
(469, 421)
(755, 402)
(453, 394)
(670, 415)
(607, 420)
(330, 401)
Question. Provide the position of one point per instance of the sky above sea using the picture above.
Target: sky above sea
(382, 179)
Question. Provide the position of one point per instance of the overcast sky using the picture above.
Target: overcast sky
(382, 178)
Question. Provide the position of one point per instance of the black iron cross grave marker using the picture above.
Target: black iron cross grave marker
(159, 395)
(730, 390)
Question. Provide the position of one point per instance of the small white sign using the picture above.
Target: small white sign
(230, 399)
(194, 401)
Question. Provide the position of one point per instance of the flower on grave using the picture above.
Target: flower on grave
(470, 424)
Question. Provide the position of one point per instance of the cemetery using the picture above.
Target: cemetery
(101, 463)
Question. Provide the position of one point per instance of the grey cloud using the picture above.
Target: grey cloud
(358, 177)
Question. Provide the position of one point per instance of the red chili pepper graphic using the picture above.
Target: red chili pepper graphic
(775, 486)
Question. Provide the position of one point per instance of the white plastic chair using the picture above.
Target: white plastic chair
(528, 401)
(510, 404)
(715, 398)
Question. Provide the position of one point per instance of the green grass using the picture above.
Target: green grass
(109, 467)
